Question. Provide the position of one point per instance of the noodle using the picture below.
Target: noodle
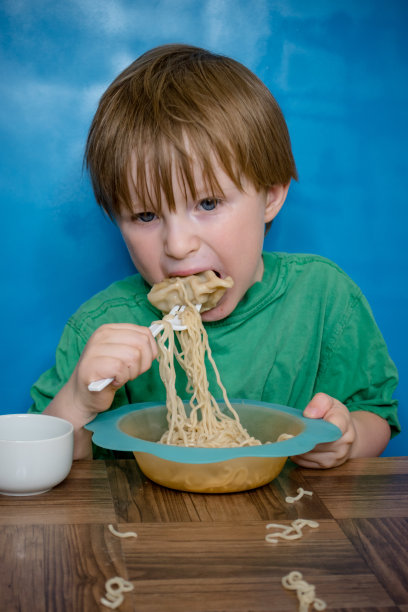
(305, 592)
(300, 493)
(289, 532)
(284, 436)
(115, 587)
(206, 425)
(120, 534)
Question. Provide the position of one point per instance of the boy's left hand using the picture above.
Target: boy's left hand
(329, 454)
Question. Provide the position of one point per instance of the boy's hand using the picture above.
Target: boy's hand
(119, 350)
(329, 454)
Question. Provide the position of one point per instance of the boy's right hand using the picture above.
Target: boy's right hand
(121, 351)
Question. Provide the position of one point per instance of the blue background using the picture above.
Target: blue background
(338, 70)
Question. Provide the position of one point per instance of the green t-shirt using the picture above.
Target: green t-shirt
(305, 328)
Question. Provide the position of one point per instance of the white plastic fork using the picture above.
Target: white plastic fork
(155, 328)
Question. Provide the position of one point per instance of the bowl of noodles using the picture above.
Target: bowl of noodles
(280, 431)
(204, 445)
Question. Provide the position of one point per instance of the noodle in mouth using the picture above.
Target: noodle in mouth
(205, 425)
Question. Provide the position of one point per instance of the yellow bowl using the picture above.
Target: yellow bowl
(137, 428)
(228, 476)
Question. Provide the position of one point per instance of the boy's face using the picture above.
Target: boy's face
(220, 233)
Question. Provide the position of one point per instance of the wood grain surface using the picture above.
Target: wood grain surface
(207, 553)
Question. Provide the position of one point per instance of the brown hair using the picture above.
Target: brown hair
(176, 105)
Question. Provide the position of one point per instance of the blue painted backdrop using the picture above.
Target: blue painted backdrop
(339, 71)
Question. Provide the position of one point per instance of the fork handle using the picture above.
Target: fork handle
(156, 328)
(99, 385)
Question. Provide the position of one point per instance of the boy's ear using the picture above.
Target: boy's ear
(275, 198)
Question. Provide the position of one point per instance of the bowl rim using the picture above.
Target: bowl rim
(107, 434)
(29, 415)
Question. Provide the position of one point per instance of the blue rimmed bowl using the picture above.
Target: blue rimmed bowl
(137, 427)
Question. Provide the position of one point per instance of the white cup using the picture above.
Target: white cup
(36, 452)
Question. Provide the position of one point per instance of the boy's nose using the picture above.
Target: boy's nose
(180, 238)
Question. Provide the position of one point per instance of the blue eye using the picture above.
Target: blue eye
(144, 217)
(209, 203)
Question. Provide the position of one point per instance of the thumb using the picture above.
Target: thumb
(318, 406)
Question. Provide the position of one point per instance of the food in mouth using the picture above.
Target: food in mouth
(205, 288)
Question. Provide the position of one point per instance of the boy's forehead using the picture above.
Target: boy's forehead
(193, 179)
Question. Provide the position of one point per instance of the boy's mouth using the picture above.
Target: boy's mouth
(183, 273)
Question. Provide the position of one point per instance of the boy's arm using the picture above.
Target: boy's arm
(118, 350)
(62, 406)
(365, 434)
(354, 365)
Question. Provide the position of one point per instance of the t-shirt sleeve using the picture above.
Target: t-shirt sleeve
(67, 355)
(356, 367)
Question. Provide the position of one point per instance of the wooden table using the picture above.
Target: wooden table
(208, 553)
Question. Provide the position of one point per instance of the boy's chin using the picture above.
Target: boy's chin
(219, 312)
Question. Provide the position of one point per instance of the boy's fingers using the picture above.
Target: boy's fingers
(316, 460)
(318, 406)
(123, 364)
(121, 341)
(323, 406)
(340, 418)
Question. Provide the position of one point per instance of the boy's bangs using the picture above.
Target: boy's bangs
(153, 176)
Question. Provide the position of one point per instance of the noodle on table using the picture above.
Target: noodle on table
(289, 532)
(115, 587)
(300, 493)
(305, 592)
(122, 534)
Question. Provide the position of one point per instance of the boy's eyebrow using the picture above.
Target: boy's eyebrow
(215, 185)
(137, 208)
(206, 191)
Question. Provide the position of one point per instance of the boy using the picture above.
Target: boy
(189, 153)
